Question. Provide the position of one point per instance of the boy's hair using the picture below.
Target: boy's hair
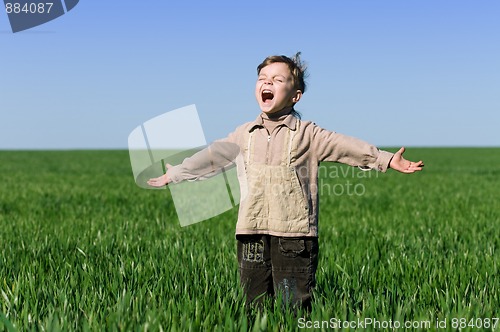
(297, 68)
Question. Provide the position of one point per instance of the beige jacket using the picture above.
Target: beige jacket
(314, 145)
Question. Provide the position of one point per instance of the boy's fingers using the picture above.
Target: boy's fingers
(414, 169)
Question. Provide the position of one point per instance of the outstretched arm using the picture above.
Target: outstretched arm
(161, 180)
(200, 166)
(402, 165)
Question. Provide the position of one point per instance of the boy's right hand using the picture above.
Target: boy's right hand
(402, 165)
(161, 180)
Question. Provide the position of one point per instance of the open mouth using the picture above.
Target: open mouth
(267, 96)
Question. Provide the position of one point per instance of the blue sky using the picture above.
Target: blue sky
(412, 73)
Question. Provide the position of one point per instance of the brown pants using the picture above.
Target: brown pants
(270, 265)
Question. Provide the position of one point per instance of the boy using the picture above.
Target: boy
(277, 227)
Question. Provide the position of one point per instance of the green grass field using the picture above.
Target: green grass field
(83, 248)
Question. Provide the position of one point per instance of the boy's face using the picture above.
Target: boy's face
(274, 89)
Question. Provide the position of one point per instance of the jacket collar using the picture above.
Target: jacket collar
(287, 120)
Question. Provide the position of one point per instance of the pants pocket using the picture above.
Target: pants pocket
(291, 247)
(253, 251)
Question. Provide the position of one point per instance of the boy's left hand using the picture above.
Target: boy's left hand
(402, 165)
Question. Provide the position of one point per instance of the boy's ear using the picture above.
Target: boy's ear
(297, 96)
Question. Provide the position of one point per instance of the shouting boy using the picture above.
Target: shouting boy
(277, 227)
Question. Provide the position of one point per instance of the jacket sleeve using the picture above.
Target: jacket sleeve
(207, 162)
(332, 146)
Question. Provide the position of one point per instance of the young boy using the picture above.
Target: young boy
(277, 227)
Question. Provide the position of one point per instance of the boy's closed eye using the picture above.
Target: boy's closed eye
(280, 79)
